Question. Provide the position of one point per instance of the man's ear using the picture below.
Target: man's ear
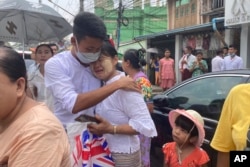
(73, 40)
(115, 60)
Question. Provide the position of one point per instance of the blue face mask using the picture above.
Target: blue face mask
(87, 58)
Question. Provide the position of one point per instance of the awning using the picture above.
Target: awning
(184, 30)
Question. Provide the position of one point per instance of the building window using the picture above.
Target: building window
(193, 8)
(186, 10)
(177, 12)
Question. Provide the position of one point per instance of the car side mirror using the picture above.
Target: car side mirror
(160, 101)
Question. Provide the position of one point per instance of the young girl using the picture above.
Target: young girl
(188, 134)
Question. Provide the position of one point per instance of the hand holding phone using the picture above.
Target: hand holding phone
(87, 118)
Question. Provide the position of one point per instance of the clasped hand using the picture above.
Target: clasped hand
(100, 128)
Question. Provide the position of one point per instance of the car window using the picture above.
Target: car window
(205, 95)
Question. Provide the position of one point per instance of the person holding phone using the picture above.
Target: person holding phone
(123, 115)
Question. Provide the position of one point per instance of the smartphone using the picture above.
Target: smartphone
(87, 118)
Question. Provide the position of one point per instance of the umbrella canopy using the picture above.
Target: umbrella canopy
(152, 50)
(30, 22)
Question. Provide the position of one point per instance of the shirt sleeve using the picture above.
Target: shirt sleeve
(233, 124)
(146, 88)
(240, 64)
(137, 111)
(60, 84)
(39, 146)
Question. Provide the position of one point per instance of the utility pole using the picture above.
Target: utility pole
(81, 6)
(119, 20)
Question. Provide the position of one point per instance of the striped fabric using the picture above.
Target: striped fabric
(127, 160)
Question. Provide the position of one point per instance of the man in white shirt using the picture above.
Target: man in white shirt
(217, 61)
(185, 63)
(232, 61)
(67, 75)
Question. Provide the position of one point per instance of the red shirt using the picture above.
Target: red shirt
(195, 159)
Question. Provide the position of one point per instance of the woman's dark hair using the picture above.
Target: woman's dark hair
(166, 49)
(187, 125)
(136, 58)
(89, 24)
(12, 64)
(199, 53)
(46, 45)
(108, 49)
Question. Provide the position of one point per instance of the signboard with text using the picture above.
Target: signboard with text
(237, 12)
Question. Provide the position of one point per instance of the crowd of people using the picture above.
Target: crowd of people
(39, 102)
(192, 63)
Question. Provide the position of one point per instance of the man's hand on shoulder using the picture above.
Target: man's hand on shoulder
(127, 83)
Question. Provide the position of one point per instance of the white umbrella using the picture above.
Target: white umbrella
(30, 22)
(152, 50)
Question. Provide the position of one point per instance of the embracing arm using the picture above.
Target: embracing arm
(91, 98)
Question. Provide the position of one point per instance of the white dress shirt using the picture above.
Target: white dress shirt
(217, 63)
(65, 77)
(36, 80)
(189, 59)
(233, 63)
(126, 107)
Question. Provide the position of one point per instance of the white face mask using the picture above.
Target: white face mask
(87, 58)
(232, 54)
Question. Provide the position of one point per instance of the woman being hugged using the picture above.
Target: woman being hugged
(122, 116)
(188, 135)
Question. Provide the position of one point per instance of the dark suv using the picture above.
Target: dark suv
(205, 94)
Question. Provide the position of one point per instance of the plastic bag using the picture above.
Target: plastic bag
(88, 150)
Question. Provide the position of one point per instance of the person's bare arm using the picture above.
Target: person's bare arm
(204, 165)
(222, 159)
(165, 164)
(91, 98)
(160, 69)
(104, 127)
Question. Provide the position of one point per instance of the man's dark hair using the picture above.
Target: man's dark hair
(225, 47)
(89, 24)
(219, 52)
(232, 46)
(189, 48)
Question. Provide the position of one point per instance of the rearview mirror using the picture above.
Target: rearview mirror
(160, 101)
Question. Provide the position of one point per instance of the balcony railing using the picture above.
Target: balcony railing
(209, 6)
